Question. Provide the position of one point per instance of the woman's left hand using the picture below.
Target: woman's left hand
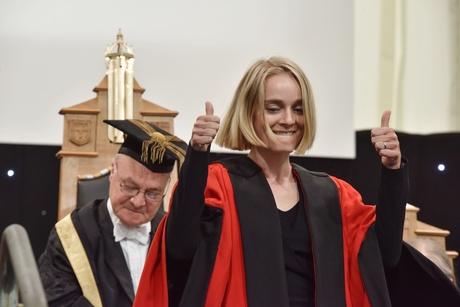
(386, 143)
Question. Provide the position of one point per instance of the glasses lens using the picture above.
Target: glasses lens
(150, 196)
(153, 196)
(128, 190)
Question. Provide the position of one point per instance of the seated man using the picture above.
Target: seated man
(95, 255)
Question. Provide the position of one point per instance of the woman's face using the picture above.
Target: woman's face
(283, 113)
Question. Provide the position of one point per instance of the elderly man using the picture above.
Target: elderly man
(95, 255)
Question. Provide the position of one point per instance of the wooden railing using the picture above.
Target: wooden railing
(414, 228)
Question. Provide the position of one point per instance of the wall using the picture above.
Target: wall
(407, 59)
(186, 52)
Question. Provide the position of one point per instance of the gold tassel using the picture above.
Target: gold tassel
(158, 144)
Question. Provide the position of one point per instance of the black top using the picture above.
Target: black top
(298, 257)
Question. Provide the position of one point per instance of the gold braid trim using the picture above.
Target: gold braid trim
(78, 259)
(158, 144)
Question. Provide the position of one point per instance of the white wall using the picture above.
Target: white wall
(407, 59)
(187, 52)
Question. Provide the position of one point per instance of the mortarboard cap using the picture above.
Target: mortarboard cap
(150, 145)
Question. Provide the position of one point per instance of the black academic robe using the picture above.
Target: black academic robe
(377, 262)
(95, 229)
(265, 280)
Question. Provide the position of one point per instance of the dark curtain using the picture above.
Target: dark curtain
(30, 198)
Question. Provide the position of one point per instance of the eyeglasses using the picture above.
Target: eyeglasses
(150, 196)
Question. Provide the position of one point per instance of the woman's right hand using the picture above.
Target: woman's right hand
(205, 129)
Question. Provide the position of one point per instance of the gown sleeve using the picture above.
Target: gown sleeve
(390, 212)
(388, 215)
(184, 249)
(186, 207)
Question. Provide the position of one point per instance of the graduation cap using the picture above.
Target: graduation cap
(150, 145)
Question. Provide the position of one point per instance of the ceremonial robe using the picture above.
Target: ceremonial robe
(95, 230)
(238, 256)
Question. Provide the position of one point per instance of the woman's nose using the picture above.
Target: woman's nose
(288, 117)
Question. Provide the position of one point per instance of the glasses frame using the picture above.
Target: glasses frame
(134, 191)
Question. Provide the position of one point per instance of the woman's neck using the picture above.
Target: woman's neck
(273, 164)
(278, 172)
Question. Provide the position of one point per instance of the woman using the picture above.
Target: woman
(257, 230)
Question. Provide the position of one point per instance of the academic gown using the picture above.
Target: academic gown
(105, 256)
(238, 256)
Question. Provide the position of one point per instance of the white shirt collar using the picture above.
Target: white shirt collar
(121, 231)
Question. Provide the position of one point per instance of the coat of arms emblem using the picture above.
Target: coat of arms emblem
(80, 132)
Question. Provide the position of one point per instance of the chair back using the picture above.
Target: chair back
(91, 187)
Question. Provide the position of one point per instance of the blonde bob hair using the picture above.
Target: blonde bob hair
(237, 129)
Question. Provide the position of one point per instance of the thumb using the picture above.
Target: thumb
(385, 121)
(209, 108)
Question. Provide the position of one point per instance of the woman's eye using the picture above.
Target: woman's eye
(271, 109)
(298, 110)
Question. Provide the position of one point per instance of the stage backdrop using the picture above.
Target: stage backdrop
(30, 197)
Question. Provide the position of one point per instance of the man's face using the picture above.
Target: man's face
(128, 174)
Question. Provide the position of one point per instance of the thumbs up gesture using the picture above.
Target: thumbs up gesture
(386, 143)
(205, 129)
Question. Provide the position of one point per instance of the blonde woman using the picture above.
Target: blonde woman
(257, 230)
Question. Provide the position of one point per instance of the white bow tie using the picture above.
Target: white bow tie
(139, 233)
